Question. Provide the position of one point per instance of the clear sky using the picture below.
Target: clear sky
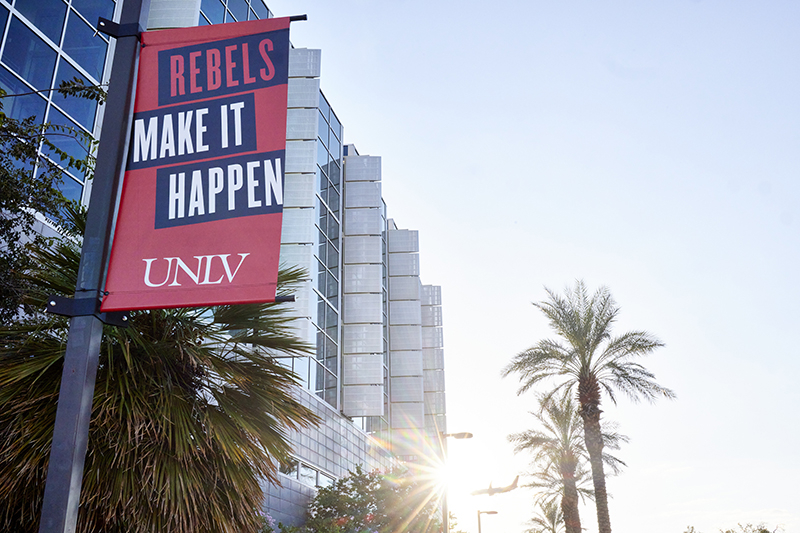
(652, 147)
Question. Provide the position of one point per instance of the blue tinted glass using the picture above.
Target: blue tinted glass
(239, 9)
(46, 15)
(253, 16)
(28, 55)
(71, 189)
(202, 21)
(322, 157)
(324, 108)
(81, 44)
(20, 107)
(335, 148)
(213, 10)
(3, 18)
(333, 201)
(333, 173)
(260, 8)
(229, 16)
(93, 9)
(322, 130)
(81, 109)
(64, 141)
(336, 126)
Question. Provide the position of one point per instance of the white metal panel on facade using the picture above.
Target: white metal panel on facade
(362, 249)
(303, 92)
(403, 240)
(366, 221)
(406, 363)
(363, 194)
(405, 338)
(406, 389)
(408, 415)
(301, 124)
(402, 264)
(362, 338)
(305, 62)
(362, 400)
(404, 312)
(299, 190)
(362, 168)
(301, 156)
(362, 369)
(362, 308)
(363, 278)
(298, 226)
(404, 288)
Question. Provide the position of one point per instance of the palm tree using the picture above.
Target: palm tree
(559, 448)
(589, 362)
(190, 416)
(560, 454)
(549, 519)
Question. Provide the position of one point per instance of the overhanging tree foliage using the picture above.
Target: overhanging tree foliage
(191, 408)
(24, 192)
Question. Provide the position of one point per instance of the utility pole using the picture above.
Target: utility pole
(71, 431)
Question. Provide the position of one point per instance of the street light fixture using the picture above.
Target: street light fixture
(445, 510)
(479, 517)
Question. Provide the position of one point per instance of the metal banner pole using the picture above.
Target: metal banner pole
(71, 431)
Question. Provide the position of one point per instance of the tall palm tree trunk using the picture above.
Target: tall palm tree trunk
(589, 399)
(569, 501)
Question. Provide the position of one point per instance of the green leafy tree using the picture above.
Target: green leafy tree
(376, 503)
(588, 361)
(190, 414)
(24, 192)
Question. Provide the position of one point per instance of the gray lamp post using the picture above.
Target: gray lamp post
(445, 510)
(479, 517)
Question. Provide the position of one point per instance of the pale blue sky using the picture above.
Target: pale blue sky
(648, 146)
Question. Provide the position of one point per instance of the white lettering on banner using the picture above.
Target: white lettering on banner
(146, 145)
(263, 179)
(203, 275)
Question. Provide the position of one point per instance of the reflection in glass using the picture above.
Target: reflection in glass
(28, 55)
(213, 10)
(80, 109)
(46, 15)
(308, 475)
(20, 107)
(64, 141)
(93, 9)
(239, 9)
(84, 47)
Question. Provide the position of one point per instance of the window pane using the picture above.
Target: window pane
(336, 126)
(322, 157)
(260, 8)
(308, 475)
(29, 56)
(20, 107)
(93, 9)
(214, 10)
(324, 108)
(47, 15)
(64, 141)
(81, 44)
(239, 9)
(322, 129)
(80, 109)
(71, 189)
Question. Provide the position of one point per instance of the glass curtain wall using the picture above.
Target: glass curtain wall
(45, 42)
(324, 377)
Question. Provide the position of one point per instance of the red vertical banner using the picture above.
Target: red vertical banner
(199, 221)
